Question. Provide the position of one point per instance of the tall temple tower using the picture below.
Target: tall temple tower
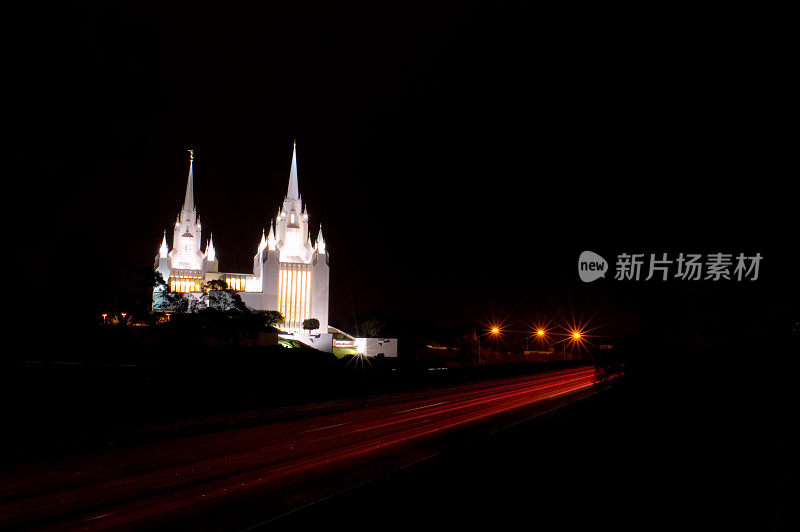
(186, 266)
(294, 271)
(290, 273)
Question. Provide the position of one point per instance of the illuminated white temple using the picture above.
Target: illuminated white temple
(290, 273)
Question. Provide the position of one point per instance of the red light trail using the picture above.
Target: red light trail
(138, 485)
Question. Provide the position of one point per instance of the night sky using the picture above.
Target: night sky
(460, 157)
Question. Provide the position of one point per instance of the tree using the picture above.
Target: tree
(216, 294)
(371, 328)
(174, 302)
(159, 284)
(215, 285)
(132, 291)
(164, 299)
(195, 304)
(270, 317)
(310, 324)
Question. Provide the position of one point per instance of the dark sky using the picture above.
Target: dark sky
(459, 156)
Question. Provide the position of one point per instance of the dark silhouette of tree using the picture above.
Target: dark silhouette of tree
(217, 295)
(163, 298)
(270, 317)
(310, 324)
(372, 328)
(215, 285)
(175, 302)
(158, 282)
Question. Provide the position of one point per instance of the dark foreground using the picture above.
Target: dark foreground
(239, 478)
(643, 454)
(638, 453)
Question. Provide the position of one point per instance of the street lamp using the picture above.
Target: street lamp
(575, 337)
(539, 333)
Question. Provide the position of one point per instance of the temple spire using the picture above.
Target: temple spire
(320, 241)
(188, 203)
(163, 251)
(293, 192)
(211, 253)
(271, 238)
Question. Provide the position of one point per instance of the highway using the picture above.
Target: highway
(240, 476)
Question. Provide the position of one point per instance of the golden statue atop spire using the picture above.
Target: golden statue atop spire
(191, 154)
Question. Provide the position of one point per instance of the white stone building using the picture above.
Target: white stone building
(290, 272)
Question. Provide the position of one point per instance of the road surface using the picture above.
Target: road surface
(244, 476)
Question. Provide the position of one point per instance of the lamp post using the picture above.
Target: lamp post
(478, 344)
(575, 338)
(540, 333)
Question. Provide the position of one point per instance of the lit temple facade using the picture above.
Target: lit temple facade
(290, 272)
